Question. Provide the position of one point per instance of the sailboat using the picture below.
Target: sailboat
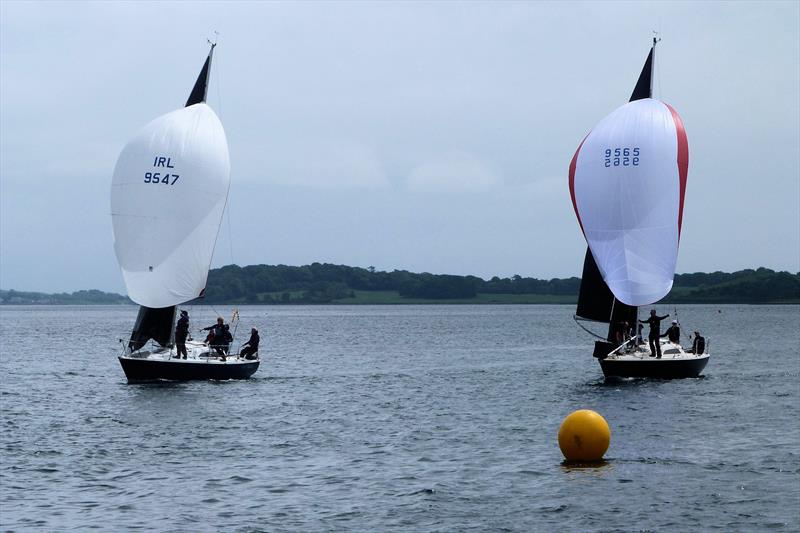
(168, 194)
(627, 182)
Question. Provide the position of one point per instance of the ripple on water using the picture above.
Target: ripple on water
(412, 418)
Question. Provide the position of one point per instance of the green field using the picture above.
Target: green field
(393, 297)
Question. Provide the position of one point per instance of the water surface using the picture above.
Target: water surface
(396, 418)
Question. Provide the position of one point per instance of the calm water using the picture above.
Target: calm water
(404, 418)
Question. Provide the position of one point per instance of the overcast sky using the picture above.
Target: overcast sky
(422, 136)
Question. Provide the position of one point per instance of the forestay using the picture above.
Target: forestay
(627, 181)
(168, 194)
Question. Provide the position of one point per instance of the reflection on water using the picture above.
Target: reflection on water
(594, 468)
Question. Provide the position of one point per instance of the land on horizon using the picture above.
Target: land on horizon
(323, 283)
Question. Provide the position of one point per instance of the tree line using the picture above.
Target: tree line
(90, 297)
(324, 282)
(320, 283)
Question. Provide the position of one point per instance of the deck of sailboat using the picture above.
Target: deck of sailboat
(196, 351)
(670, 351)
(639, 362)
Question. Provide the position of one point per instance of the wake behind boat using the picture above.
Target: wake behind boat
(168, 194)
(627, 182)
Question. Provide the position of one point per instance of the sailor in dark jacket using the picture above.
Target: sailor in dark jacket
(655, 332)
(223, 343)
(181, 332)
(217, 330)
(673, 333)
(250, 348)
(219, 337)
(699, 344)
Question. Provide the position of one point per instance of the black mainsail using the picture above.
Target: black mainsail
(153, 324)
(200, 89)
(596, 302)
(644, 86)
(158, 323)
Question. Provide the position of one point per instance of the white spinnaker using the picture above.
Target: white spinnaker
(630, 209)
(164, 231)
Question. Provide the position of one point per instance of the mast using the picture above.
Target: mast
(596, 302)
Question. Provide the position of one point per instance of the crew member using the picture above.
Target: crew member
(699, 343)
(250, 348)
(181, 332)
(673, 333)
(217, 330)
(223, 342)
(655, 332)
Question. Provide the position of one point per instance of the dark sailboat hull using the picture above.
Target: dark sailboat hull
(138, 370)
(654, 368)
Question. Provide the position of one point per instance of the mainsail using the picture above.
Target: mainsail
(168, 194)
(627, 182)
(153, 324)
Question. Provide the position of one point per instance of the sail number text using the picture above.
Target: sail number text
(157, 177)
(625, 157)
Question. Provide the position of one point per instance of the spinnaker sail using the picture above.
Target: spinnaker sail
(168, 193)
(627, 183)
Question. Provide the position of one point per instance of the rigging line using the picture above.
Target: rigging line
(228, 202)
(230, 237)
(613, 304)
(658, 63)
(590, 332)
(658, 77)
(219, 83)
(215, 310)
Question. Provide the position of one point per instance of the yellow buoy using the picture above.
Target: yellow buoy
(584, 436)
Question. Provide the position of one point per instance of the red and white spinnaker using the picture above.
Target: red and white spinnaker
(627, 181)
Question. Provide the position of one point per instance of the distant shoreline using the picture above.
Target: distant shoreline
(327, 284)
(366, 304)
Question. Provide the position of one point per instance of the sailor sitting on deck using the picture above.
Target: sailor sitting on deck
(250, 348)
(699, 344)
(222, 343)
(219, 337)
(673, 333)
(217, 329)
(618, 332)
